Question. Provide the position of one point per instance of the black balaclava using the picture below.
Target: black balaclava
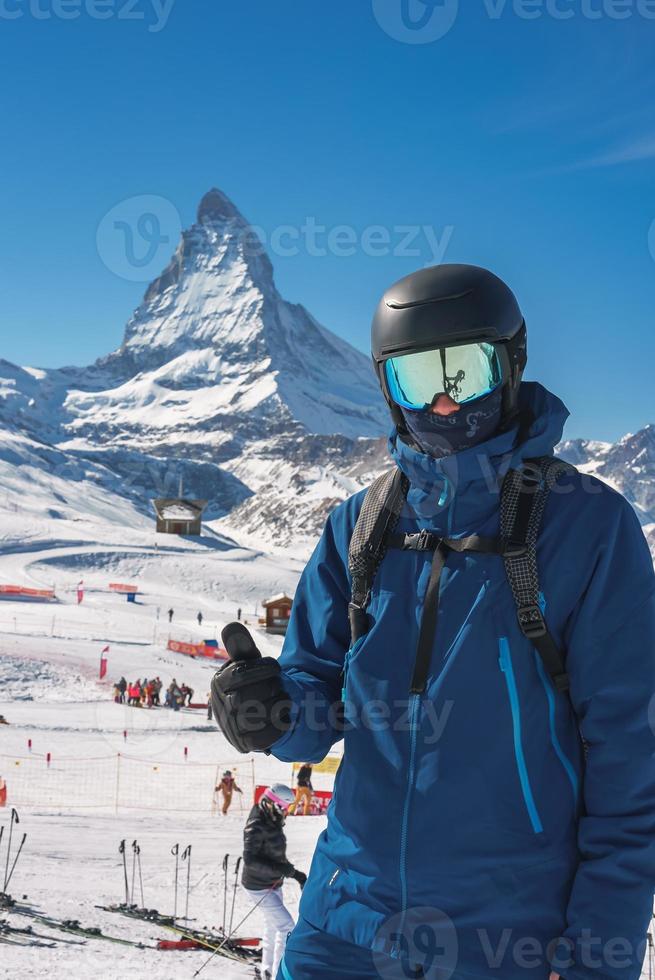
(443, 435)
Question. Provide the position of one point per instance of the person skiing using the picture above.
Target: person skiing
(265, 866)
(200, 618)
(227, 787)
(480, 629)
(171, 613)
(304, 790)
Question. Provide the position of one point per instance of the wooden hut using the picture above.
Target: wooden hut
(278, 611)
(179, 516)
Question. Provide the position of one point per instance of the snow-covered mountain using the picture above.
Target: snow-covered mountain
(628, 465)
(222, 383)
(219, 381)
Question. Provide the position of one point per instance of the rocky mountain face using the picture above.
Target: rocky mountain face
(628, 465)
(223, 384)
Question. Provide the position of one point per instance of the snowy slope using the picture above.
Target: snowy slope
(49, 692)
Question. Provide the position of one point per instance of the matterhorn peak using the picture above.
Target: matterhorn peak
(216, 206)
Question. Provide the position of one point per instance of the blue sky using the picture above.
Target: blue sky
(519, 139)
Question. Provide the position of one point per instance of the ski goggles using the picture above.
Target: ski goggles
(469, 371)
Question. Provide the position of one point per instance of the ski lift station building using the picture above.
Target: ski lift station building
(179, 516)
(278, 611)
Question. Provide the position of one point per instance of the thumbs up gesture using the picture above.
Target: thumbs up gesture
(248, 700)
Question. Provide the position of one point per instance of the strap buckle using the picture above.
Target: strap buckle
(532, 622)
(531, 475)
(358, 618)
(420, 541)
(427, 540)
(513, 548)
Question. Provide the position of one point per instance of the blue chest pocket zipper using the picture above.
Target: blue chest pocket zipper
(346, 666)
(507, 668)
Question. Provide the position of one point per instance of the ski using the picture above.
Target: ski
(73, 927)
(216, 944)
(25, 941)
(133, 912)
(27, 932)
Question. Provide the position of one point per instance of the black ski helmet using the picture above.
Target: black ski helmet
(446, 306)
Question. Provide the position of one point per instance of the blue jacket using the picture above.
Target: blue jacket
(476, 808)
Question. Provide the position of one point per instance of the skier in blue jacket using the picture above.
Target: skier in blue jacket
(523, 840)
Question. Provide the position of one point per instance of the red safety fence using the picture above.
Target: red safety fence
(120, 587)
(197, 650)
(320, 801)
(20, 592)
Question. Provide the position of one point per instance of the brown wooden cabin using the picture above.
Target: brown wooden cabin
(278, 611)
(179, 516)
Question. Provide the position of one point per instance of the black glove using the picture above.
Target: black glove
(248, 700)
(300, 877)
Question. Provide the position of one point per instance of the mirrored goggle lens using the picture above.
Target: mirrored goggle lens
(416, 380)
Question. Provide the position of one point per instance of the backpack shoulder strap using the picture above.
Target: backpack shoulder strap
(523, 500)
(377, 520)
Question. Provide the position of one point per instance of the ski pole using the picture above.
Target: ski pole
(14, 819)
(134, 847)
(237, 926)
(176, 852)
(138, 858)
(234, 893)
(226, 861)
(121, 850)
(15, 861)
(186, 856)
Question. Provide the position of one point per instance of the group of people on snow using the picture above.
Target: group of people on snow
(147, 693)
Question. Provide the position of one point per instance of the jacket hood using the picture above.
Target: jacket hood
(436, 483)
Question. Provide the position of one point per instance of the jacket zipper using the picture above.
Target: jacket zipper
(414, 708)
(346, 666)
(567, 765)
(505, 661)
